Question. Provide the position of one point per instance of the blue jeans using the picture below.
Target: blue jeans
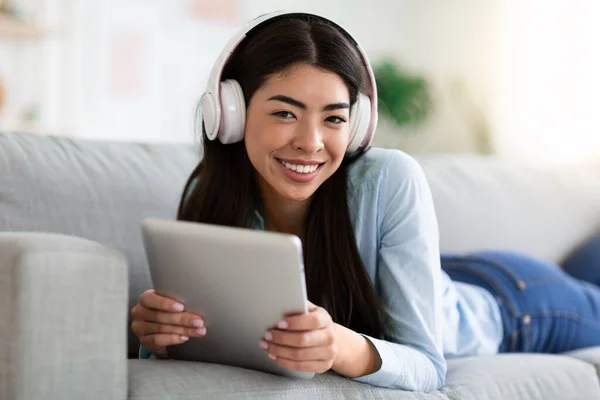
(543, 309)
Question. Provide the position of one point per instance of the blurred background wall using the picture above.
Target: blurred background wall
(513, 78)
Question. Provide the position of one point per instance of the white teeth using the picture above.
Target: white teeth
(302, 169)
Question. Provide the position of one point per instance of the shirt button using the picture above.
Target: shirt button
(521, 285)
(527, 319)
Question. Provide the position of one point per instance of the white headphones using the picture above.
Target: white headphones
(224, 108)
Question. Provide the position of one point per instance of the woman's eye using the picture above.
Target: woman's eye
(336, 120)
(283, 114)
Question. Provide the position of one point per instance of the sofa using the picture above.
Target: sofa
(72, 265)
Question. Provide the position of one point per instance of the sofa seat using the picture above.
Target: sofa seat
(480, 378)
(502, 377)
(591, 355)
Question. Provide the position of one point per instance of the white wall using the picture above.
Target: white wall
(523, 71)
(546, 80)
(433, 38)
(168, 70)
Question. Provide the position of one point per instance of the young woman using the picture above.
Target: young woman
(289, 154)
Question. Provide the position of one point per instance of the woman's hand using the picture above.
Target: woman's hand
(304, 342)
(159, 322)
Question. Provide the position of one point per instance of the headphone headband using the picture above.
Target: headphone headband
(212, 96)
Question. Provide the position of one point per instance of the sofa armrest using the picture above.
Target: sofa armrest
(63, 318)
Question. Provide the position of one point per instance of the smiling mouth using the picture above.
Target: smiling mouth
(300, 168)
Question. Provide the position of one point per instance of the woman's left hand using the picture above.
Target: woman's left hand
(304, 342)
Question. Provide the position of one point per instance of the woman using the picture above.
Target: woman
(382, 310)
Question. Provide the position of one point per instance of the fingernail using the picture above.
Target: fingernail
(198, 323)
(268, 336)
(282, 324)
(201, 331)
(264, 344)
(184, 338)
(272, 357)
(177, 307)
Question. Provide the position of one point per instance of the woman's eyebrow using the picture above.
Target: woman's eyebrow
(336, 106)
(299, 104)
(288, 100)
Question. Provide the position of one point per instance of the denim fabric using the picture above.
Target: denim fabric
(544, 310)
(584, 262)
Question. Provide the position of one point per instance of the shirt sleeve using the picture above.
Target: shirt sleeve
(409, 281)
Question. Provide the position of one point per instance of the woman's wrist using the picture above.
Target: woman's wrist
(356, 355)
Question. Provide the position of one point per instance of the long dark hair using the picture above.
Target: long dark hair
(228, 194)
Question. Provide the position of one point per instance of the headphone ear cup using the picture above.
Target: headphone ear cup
(360, 118)
(209, 115)
(233, 112)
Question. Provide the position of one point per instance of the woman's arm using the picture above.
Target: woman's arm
(356, 355)
(409, 280)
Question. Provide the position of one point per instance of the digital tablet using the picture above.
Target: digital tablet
(241, 281)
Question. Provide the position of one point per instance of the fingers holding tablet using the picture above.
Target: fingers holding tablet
(159, 322)
(303, 342)
(151, 299)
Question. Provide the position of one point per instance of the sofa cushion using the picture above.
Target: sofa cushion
(95, 190)
(506, 376)
(521, 376)
(591, 355)
(170, 380)
(584, 262)
(493, 202)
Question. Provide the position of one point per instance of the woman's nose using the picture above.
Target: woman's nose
(308, 138)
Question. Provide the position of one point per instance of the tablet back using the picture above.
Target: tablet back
(241, 281)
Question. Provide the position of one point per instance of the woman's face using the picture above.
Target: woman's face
(297, 130)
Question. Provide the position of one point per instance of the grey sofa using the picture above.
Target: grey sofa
(72, 265)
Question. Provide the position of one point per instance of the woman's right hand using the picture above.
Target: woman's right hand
(159, 322)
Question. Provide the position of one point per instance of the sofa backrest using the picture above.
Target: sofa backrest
(102, 190)
(95, 190)
(490, 202)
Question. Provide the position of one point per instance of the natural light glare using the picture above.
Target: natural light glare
(547, 85)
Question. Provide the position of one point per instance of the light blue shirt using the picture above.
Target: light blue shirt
(397, 235)
(394, 220)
